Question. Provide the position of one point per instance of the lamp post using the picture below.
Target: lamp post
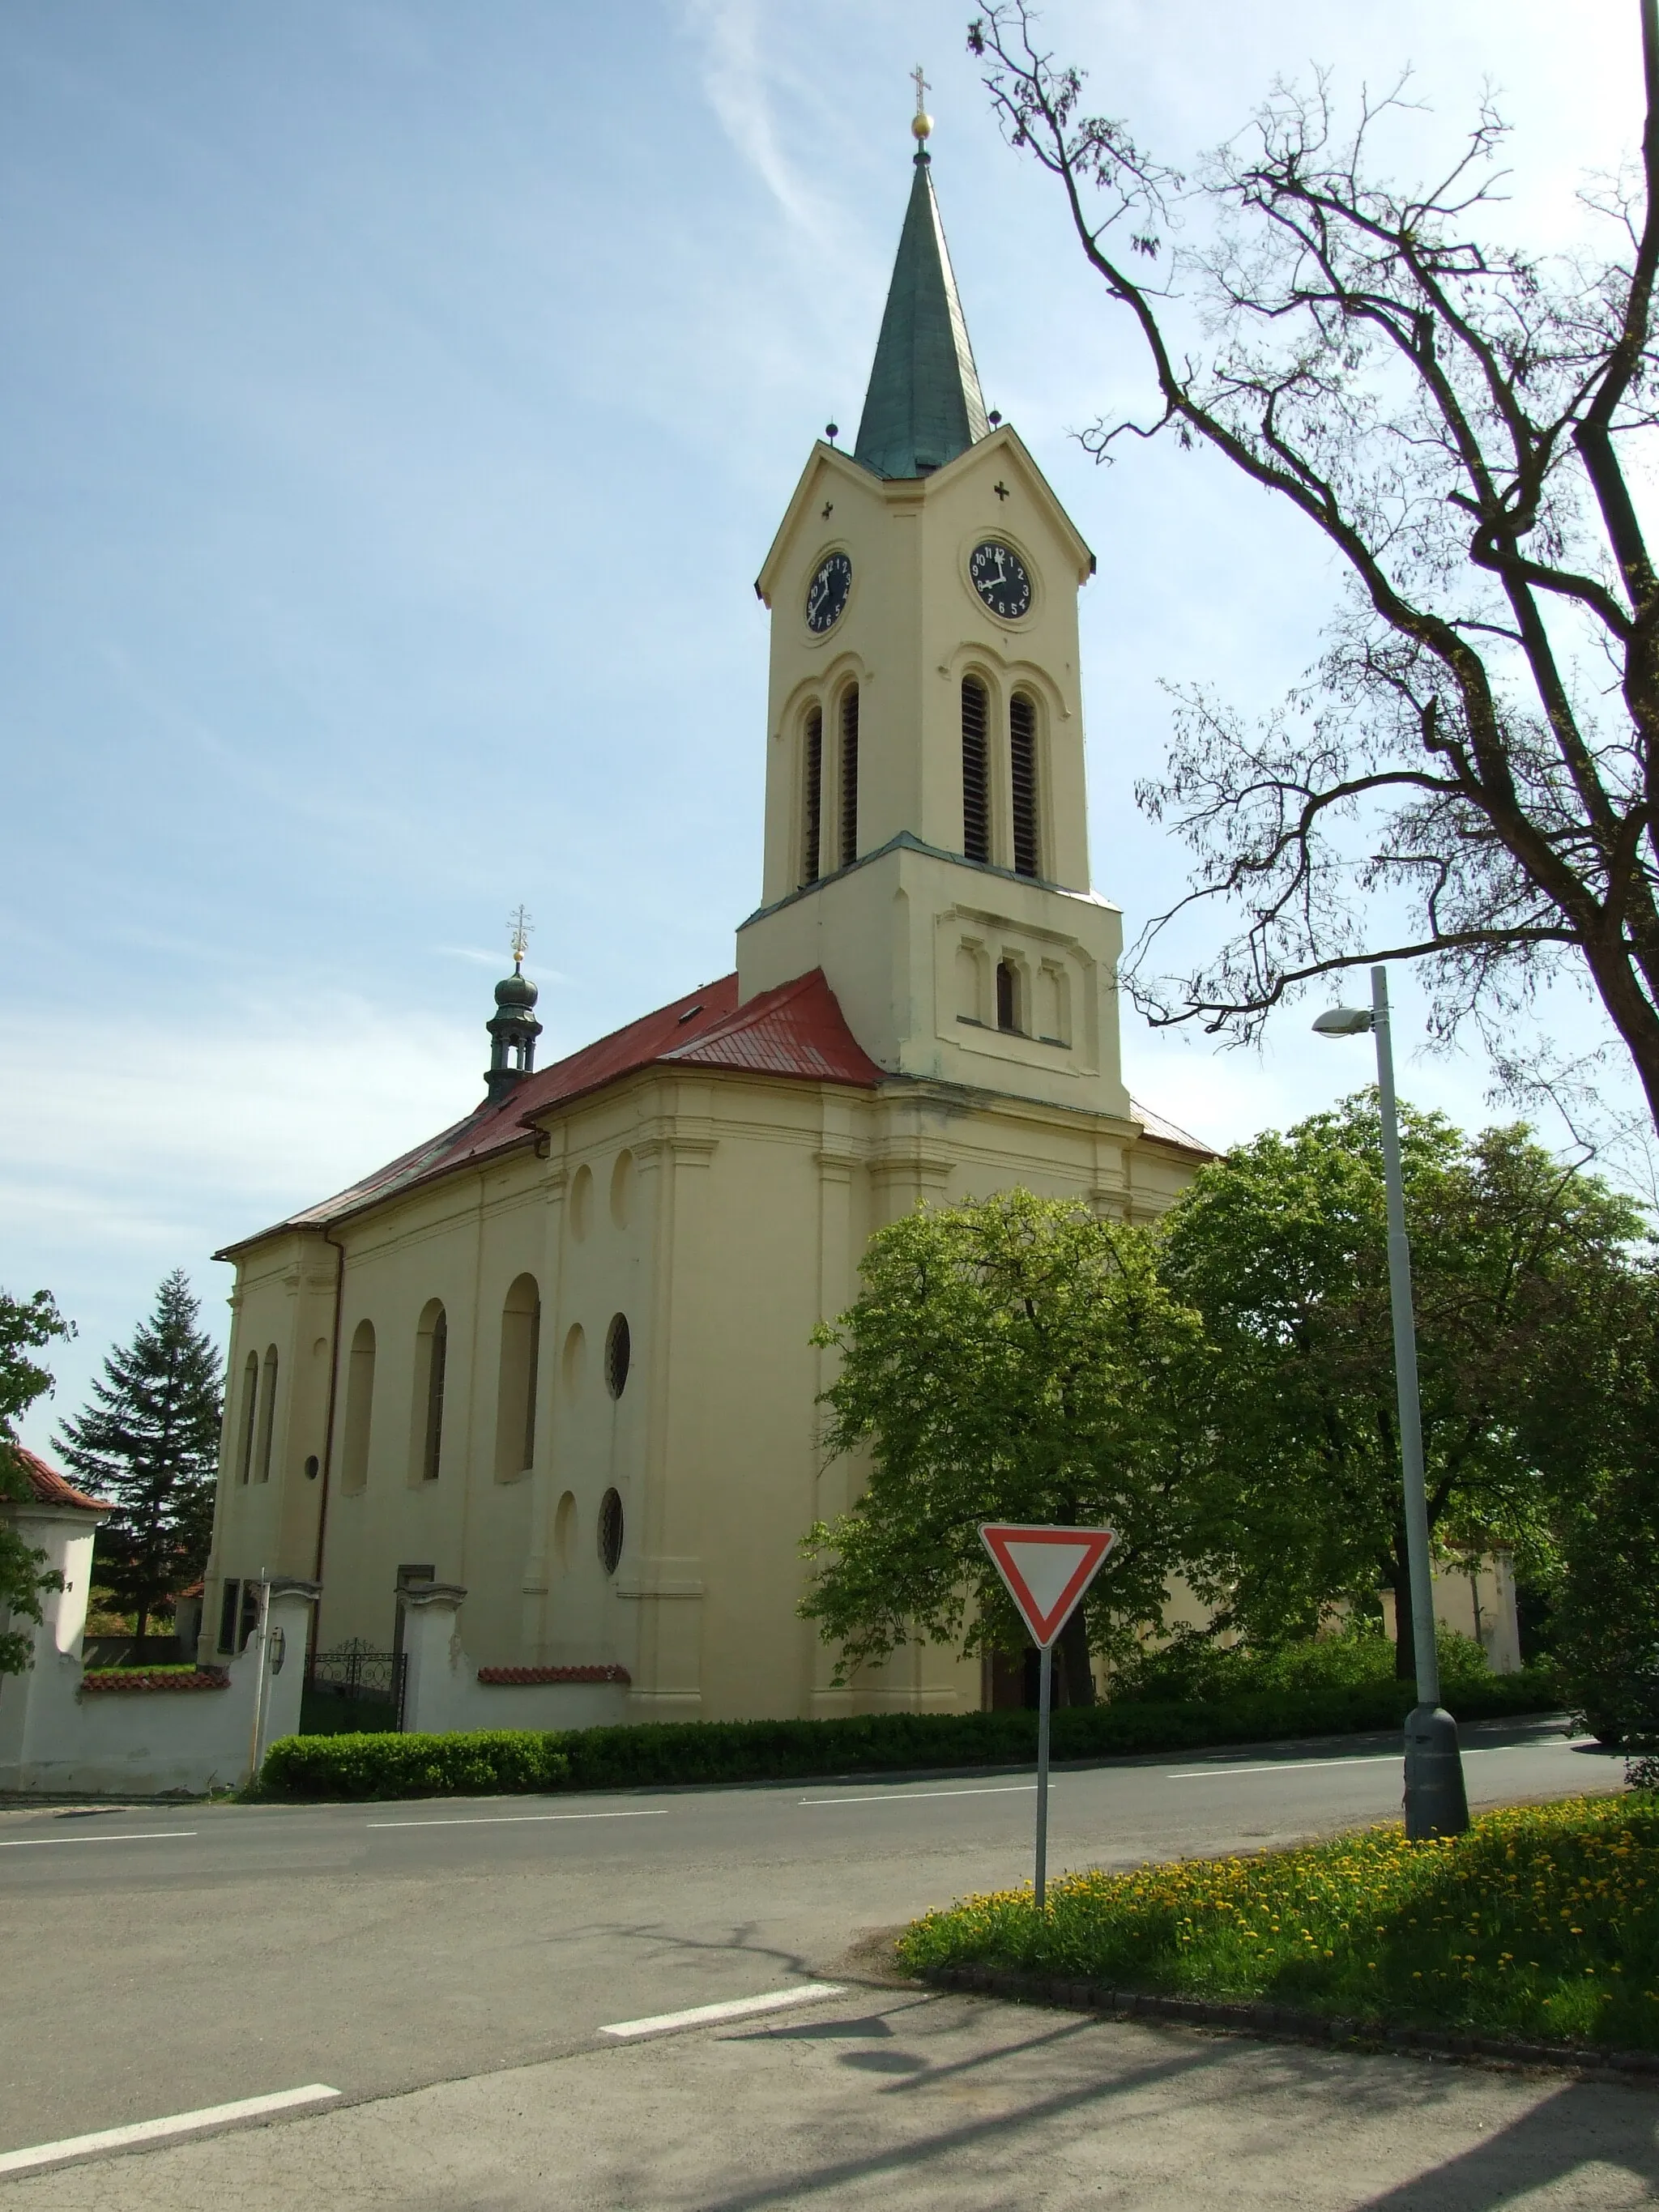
(1436, 1801)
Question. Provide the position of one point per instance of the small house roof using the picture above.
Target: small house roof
(48, 1487)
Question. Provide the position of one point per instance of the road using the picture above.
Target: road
(160, 1962)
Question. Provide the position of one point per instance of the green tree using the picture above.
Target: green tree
(1008, 1359)
(26, 1325)
(149, 1440)
(1281, 1247)
(1599, 1407)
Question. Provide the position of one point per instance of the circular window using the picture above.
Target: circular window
(611, 1531)
(618, 1351)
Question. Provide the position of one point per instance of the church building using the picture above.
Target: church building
(560, 1356)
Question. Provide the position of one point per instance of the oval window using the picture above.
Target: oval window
(611, 1531)
(618, 1352)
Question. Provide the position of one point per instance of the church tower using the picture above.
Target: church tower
(926, 837)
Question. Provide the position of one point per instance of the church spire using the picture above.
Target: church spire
(923, 406)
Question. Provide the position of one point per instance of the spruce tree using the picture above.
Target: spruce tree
(149, 1440)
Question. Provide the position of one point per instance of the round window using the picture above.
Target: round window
(618, 1351)
(611, 1531)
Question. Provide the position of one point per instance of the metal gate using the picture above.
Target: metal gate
(353, 1687)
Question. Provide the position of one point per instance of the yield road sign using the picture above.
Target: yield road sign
(1046, 1570)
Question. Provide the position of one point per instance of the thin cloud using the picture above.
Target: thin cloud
(738, 85)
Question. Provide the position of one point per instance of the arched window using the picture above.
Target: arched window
(811, 770)
(250, 1403)
(618, 1355)
(431, 1357)
(850, 775)
(359, 1407)
(267, 1414)
(1008, 1006)
(1023, 764)
(975, 771)
(515, 1394)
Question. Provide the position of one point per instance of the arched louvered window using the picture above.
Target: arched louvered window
(250, 1406)
(850, 775)
(1022, 763)
(267, 1414)
(975, 771)
(811, 794)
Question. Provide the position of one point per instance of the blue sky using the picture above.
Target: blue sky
(398, 402)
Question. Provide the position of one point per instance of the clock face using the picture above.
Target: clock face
(826, 595)
(1001, 579)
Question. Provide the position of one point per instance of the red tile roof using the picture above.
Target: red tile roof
(48, 1487)
(797, 1031)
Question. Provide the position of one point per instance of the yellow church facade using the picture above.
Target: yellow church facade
(560, 1359)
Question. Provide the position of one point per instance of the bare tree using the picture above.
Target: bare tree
(1469, 777)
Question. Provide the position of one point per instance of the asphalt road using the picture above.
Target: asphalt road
(157, 1962)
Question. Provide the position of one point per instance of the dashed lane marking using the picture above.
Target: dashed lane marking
(177, 2124)
(517, 1819)
(142, 1836)
(663, 2023)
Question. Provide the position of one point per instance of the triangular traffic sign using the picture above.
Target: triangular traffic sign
(1046, 1570)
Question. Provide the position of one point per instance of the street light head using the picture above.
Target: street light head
(1344, 1021)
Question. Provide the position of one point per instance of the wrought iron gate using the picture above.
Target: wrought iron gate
(354, 1686)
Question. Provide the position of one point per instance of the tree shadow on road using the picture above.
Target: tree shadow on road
(1583, 2124)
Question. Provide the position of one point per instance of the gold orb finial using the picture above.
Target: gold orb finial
(921, 123)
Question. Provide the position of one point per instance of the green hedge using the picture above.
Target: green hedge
(491, 1762)
(653, 1752)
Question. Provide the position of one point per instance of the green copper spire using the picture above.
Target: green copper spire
(923, 406)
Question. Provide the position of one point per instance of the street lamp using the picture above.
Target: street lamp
(1436, 1803)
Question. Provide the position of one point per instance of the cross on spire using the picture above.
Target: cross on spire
(520, 923)
(921, 85)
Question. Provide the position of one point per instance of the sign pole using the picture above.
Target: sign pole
(1045, 1701)
(1045, 1570)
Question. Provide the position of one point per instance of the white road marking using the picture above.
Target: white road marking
(893, 1797)
(179, 2123)
(142, 1836)
(733, 2009)
(1370, 1759)
(510, 1820)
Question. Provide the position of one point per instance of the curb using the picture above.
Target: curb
(1288, 2023)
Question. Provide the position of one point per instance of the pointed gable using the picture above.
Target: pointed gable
(923, 406)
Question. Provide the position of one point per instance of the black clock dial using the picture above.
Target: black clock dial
(826, 595)
(1001, 579)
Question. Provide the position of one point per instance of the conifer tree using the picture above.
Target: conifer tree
(149, 1439)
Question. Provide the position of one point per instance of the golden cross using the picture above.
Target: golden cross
(519, 924)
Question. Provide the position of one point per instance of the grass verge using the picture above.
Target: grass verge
(1542, 1921)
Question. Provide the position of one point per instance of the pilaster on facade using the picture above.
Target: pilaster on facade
(551, 1188)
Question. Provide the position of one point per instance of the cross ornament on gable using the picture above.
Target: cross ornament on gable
(1001, 490)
